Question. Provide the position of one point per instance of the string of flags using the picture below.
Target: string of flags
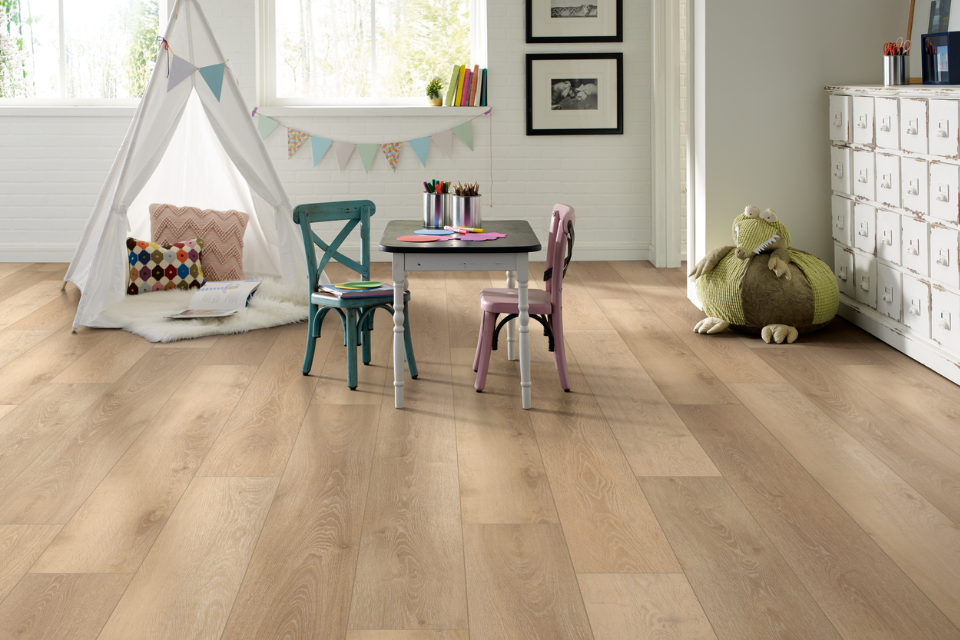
(391, 150)
(179, 69)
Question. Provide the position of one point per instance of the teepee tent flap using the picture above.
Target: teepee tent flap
(176, 138)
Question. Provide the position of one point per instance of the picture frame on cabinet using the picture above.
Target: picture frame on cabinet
(574, 94)
(574, 21)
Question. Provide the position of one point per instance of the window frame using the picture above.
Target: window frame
(63, 101)
(266, 57)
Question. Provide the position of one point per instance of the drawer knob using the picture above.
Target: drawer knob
(885, 127)
(913, 250)
(887, 297)
(913, 191)
(914, 310)
(862, 125)
(942, 260)
(842, 274)
(945, 325)
(941, 133)
(885, 185)
(863, 232)
(886, 240)
(911, 131)
(862, 179)
(943, 197)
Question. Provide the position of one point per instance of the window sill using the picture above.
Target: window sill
(37, 110)
(387, 111)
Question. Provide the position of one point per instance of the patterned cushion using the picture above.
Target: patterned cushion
(158, 267)
(222, 232)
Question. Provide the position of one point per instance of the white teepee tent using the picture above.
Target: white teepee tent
(186, 147)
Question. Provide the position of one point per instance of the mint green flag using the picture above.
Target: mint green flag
(465, 132)
(420, 146)
(367, 153)
(266, 125)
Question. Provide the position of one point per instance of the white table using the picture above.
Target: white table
(510, 254)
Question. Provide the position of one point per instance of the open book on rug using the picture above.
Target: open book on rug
(219, 299)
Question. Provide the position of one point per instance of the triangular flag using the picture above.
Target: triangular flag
(266, 125)
(320, 146)
(444, 140)
(295, 140)
(420, 146)
(344, 151)
(367, 151)
(180, 69)
(464, 131)
(213, 74)
(392, 152)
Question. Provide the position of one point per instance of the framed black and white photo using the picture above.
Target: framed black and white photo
(574, 20)
(574, 94)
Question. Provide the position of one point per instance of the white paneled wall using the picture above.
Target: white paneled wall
(51, 167)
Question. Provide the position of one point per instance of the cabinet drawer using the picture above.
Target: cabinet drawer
(888, 123)
(916, 305)
(944, 181)
(914, 179)
(944, 117)
(889, 294)
(865, 272)
(843, 269)
(864, 171)
(863, 120)
(888, 180)
(841, 169)
(865, 228)
(840, 108)
(944, 315)
(913, 125)
(915, 247)
(944, 244)
(842, 219)
(888, 236)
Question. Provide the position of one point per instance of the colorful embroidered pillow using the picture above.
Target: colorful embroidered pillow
(222, 232)
(158, 267)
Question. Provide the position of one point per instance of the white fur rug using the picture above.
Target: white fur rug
(272, 305)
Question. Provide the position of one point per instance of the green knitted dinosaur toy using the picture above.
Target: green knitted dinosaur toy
(762, 286)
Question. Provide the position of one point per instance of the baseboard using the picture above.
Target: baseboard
(581, 251)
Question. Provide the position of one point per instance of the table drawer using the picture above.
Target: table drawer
(945, 316)
(943, 127)
(460, 262)
(865, 270)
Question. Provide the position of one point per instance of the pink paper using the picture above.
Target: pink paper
(474, 237)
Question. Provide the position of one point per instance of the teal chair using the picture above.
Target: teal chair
(356, 314)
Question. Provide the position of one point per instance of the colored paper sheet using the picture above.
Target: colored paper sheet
(213, 75)
(319, 146)
(420, 146)
(452, 89)
(444, 140)
(344, 151)
(266, 125)
(367, 152)
(392, 152)
(180, 70)
(465, 132)
(295, 140)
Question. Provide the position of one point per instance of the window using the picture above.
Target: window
(77, 50)
(362, 51)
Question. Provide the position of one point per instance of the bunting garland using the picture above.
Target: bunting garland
(344, 150)
(213, 76)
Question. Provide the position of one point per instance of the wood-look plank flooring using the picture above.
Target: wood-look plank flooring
(689, 487)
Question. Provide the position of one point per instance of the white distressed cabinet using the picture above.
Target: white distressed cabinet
(895, 216)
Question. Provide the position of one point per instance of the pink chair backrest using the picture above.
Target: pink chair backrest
(561, 224)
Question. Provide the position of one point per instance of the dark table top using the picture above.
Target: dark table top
(520, 239)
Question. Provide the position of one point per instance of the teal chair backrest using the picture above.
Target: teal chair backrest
(354, 212)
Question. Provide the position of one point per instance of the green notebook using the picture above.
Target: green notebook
(452, 89)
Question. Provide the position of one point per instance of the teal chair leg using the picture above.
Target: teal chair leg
(407, 344)
(312, 332)
(351, 343)
(365, 336)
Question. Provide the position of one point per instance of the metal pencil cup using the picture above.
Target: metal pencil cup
(466, 211)
(436, 210)
(894, 68)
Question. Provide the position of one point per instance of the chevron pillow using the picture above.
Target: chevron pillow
(222, 233)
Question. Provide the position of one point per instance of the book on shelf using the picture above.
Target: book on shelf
(452, 89)
(346, 294)
(483, 89)
(472, 102)
(218, 299)
(465, 97)
(459, 95)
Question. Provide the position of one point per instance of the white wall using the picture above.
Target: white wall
(760, 117)
(51, 168)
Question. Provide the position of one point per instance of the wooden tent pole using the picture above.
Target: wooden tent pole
(910, 23)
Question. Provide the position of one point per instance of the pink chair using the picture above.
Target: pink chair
(545, 306)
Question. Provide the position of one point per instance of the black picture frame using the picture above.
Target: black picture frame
(532, 58)
(617, 37)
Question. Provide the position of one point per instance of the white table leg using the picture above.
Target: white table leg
(399, 285)
(512, 325)
(524, 299)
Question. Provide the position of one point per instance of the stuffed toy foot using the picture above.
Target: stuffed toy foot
(778, 333)
(711, 325)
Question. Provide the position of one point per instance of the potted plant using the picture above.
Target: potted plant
(433, 91)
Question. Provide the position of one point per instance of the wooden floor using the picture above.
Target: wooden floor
(690, 487)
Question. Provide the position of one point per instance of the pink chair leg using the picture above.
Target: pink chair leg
(484, 349)
(560, 352)
(476, 357)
